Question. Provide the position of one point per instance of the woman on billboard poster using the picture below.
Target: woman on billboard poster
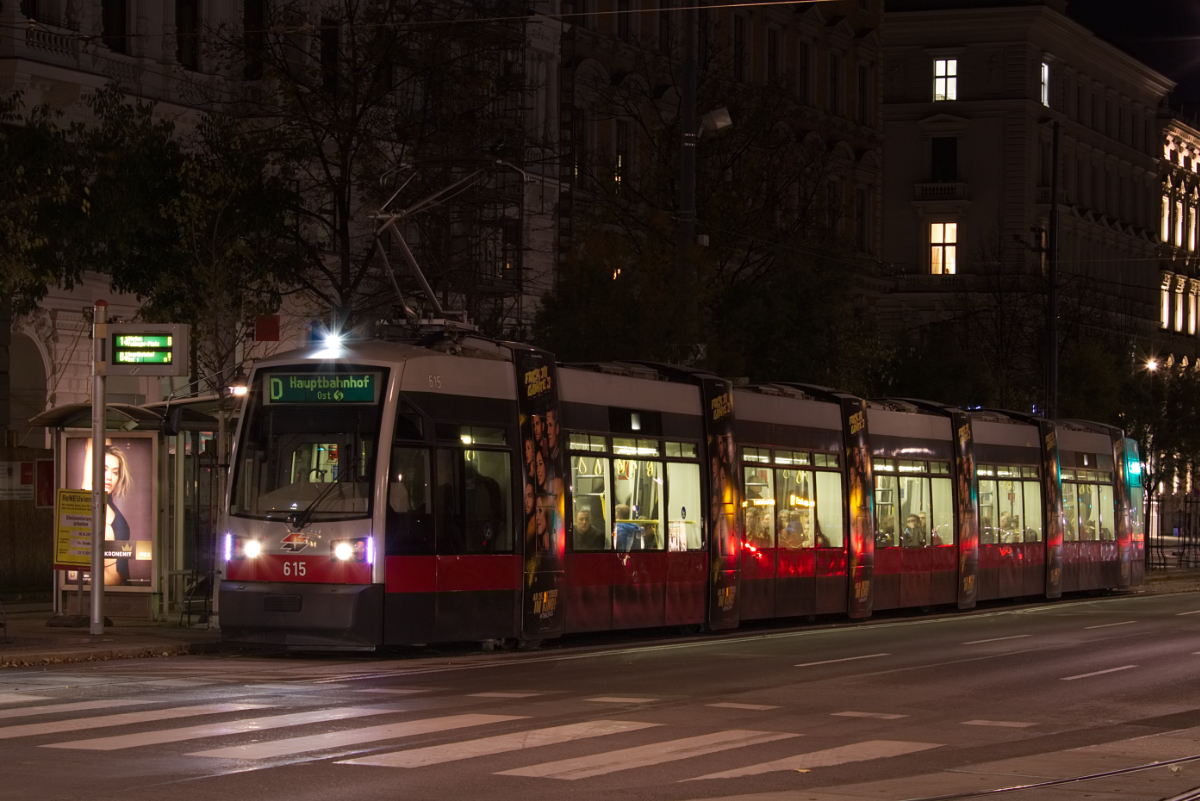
(118, 484)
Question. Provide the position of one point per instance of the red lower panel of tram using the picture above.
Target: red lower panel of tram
(606, 591)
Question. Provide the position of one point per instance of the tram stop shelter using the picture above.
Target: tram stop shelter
(164, 482)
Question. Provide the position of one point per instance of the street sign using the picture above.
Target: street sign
(146, 349)
(73, 530)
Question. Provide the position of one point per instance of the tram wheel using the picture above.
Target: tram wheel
(528, 645)
(693, 629)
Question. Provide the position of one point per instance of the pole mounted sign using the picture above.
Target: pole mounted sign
(120, 349)
(141, 349)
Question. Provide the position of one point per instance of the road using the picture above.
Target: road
(902, 709)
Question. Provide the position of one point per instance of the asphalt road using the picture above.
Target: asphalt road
(903, 709)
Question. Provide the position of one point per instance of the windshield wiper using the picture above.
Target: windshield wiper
(299, 520)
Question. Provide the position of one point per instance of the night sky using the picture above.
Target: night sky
(1162, 33)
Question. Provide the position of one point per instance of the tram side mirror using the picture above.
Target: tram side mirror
(173, 421)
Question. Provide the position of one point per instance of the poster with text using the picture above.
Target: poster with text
(129, 513)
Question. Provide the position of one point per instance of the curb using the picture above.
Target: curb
(74, 655)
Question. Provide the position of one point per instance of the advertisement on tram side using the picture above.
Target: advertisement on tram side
(860, 553)
(967, 508)
(1054, 508)
(725, 510)
(543, 475)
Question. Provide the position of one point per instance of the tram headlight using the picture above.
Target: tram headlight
(228, 546)
(355, 550)
(251, 549)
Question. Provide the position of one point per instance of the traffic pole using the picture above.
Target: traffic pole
(99, 499)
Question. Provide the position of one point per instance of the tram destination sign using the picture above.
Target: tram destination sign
(285, 388)
(146, 349)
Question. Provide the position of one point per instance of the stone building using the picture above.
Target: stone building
(56, 52)
(972, 91)
(1180, 281)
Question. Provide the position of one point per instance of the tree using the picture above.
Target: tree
(366, 100)
(774, 292)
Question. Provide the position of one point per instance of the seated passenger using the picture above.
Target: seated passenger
(885, 533)
(913, 535)
(588, 537)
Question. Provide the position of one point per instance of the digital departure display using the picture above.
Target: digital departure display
(143, 349)
(322, 387)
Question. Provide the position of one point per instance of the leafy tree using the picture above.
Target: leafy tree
(367, 100)
(773, 295)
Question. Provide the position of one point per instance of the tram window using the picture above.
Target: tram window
(908, 466)
(988, 515)
(1089, 524)
(941, 527)
(914, 513)
(1137, 500)
(796, 502)
(682, 450)
(1033, 511)
(409, 424)
(587, 442)
(760, 506)
(1008, 471)
(1009, 504)
(481, 435)
(1068, 474)
(635, 447)
(757, 455)
(1070, 515)
(1029, 472)
(793, 457)
(408, 524)
(887, 492)
(589, 494)
(472, 501)
(1108, 512)
(825, 459)
(685, 512)
(939, 468)
(830, 530)
(637, 514)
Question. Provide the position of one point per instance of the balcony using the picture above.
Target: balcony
(940, 191)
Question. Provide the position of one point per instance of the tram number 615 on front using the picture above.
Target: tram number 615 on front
(293, 569)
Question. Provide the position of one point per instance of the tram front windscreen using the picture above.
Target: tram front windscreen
(308, 444)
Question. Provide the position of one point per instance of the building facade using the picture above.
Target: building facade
(973, 94)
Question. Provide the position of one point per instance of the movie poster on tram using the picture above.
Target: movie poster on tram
(725, 511)
(129, 514)
(1054, 508)
(967, 510)
(860, 555)
(543, 475)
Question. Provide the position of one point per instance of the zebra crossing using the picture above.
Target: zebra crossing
(360, 736)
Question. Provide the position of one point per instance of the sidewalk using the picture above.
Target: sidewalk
(32, 642)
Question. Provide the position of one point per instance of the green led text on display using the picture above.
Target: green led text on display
(322, 388)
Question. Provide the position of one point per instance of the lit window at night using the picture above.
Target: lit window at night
(1045, 84)
(943, 241)
(945, 79)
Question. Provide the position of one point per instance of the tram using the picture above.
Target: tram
(464, 489)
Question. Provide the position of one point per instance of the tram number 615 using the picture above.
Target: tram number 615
(435, 382)
(293, 569)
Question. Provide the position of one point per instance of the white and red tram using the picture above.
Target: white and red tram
(387, 494)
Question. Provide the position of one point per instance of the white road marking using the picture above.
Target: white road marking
(1005, 724)
(646, 755)
(341, 739)
(997, 639)
(1098, 673)
(1107, 625)
(621, 699)
(219, 729)
(177, 683)
(755, 707)
(81, 706)
(847, 659)
(503, 695)
(858, 752)
(452, 752)
(878, 715)
(17, 698)
(1193, 612)
(399, 690)
(123, 719)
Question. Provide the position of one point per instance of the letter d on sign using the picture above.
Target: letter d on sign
(276, 389)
